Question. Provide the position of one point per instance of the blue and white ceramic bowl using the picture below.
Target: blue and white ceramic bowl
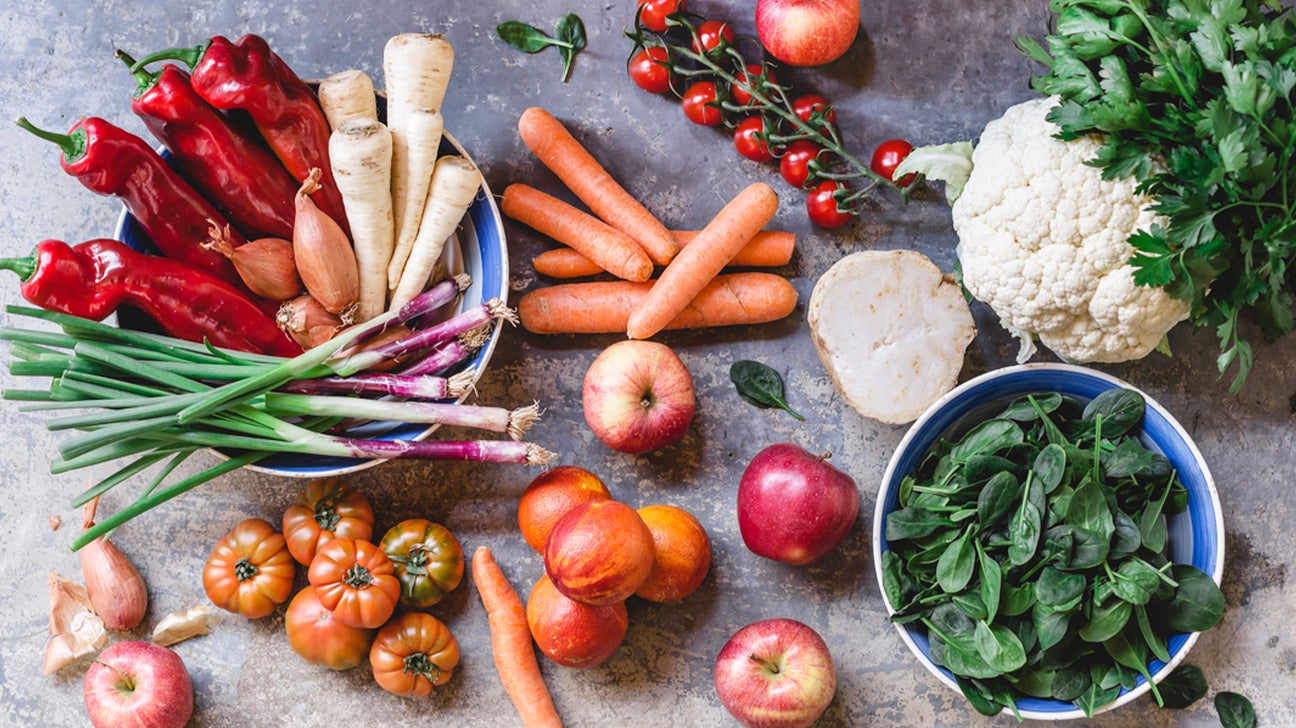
(1195, 537)
(478, 248)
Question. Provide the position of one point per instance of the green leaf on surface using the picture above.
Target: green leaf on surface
(760, 385)
(1234, 710)
(1183, 687)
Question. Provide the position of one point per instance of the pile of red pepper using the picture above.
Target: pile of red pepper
(225, 175)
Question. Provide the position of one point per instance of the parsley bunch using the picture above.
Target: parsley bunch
(1195, 100)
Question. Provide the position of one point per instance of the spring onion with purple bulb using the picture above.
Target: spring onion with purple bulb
(157, 400)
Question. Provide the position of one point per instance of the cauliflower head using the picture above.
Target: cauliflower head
(1043, 239)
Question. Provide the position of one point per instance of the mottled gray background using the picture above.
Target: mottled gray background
(933, 71)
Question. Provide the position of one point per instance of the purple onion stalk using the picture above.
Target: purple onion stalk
(488, 451)
(423, 338)
(452, 352)
(493, 419)
(405, 386)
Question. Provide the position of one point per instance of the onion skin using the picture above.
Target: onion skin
(325, 259)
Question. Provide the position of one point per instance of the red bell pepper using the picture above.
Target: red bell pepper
(111, 161)
(92, 279)
(248, 76)
(225, 163)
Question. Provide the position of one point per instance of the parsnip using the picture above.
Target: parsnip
(361, 154)
(423, 139)
(455, 182)
(347, 94)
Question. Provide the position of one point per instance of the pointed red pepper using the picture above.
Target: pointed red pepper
(111, 161)
(227, 164)
(248, 76)
(92, 279)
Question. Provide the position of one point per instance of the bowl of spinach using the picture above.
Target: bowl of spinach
(1049, 542)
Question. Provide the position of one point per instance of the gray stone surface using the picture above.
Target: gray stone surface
(933, 71)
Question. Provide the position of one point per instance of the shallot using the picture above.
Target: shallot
(266, 265)
(325, 260)
(115, 586)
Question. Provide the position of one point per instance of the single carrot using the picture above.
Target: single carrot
(511, 642)
(550, 141)
(768, 249)
(604, 307)
(609, 248)
(702, 260)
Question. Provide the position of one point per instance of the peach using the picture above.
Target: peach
(550, 496)
(599, 553)
(574, 634)
(682, 553)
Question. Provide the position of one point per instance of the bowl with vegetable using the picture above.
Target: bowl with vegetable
(467, 247)
(1049, 542)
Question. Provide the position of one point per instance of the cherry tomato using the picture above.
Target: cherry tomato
(754, 71)
(888, 156)
(649, 72)
(794, 166)
(250, 572)
(712, 37)
(749, 139)
(821, 206)
(429, 560)
(320, 639)
(357, 581)
(652, 13)
(328, 508)
(412, 654)
(700, 105)
(805, 106)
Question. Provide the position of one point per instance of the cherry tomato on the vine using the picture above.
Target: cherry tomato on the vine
(794, 166)
(700, 104)
(821, 205)
(712, 36)
(888, 156)
(749, 139)
(653, 13)
(749, 76)
(805, 106)
(649, 71)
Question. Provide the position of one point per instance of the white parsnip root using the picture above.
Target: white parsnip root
(422, 136)
(360, 151)
(455, 182)
(347, 94)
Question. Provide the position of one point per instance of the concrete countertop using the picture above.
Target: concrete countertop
(930, 72)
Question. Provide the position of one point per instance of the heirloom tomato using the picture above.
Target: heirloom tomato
(250, 572)
(412, 654)
(328, 508)
(357, 581)
(428, 558)
(320, 639)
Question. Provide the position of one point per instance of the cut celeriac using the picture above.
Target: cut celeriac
(891, 330)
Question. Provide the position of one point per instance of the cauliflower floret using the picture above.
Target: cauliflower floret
(1043, 239)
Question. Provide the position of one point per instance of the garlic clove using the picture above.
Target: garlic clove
(180, 626)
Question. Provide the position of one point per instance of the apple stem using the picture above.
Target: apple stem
(769, 665)
(825, 455)
(125, 676)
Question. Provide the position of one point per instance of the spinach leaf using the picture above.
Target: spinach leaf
(955, 567)
(1051, 627)
(1120, 409)
(1183, 687)
(959, 653)
(1125, 538)
(978, 696)
(1031, 408)
(1156, 645)
(1071, 682)
(760, 385)
(1106, 621)
(908, 523)
(988, 438)
(523, 37)
(570, 30)
(1050, 466)
(1016, 599)
(1089, 511)
(1198, 603)
(999, 647)
(569, 38)
(1131, 654)
(1135, 581)
(1152, 523)
(896, 582)
(1234, 710)
(991, 582)
(1128, 458)
(1096, 697)
(970, 603)
(996, 500)
(1033, 681)
(1056, 588)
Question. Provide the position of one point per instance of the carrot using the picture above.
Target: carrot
(511, 642)
(604, 307)
(768, 249)
(610, 249)
(360, 151)
(550, 141)
(697, 264)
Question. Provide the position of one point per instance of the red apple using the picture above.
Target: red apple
(138, 685)
(638, 396)
(777, 673)
(807, 32)
(793, 506)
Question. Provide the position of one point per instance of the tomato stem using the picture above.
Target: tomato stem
(245, 569)
(419, 664)
(358, 576)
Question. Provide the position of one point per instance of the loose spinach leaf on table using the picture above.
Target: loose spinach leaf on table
(569, 38)
(1234, 710)
(760, 385)
(1183, 687)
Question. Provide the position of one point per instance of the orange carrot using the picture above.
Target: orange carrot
(609, 248)
(768, 249)
(550, 141)
(702, 260)
(604, 307)
(511, 642)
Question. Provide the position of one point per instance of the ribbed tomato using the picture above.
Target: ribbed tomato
(328, 508)
(429, 560)
(250, 572)
(413, 654)
(320, 639)
(357, 581)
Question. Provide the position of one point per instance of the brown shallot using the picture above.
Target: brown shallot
(307, 321)
(325, 260)
(116, 588)
(266, 265)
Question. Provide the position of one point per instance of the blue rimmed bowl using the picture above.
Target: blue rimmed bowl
(477, 248)
(1195, 536)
